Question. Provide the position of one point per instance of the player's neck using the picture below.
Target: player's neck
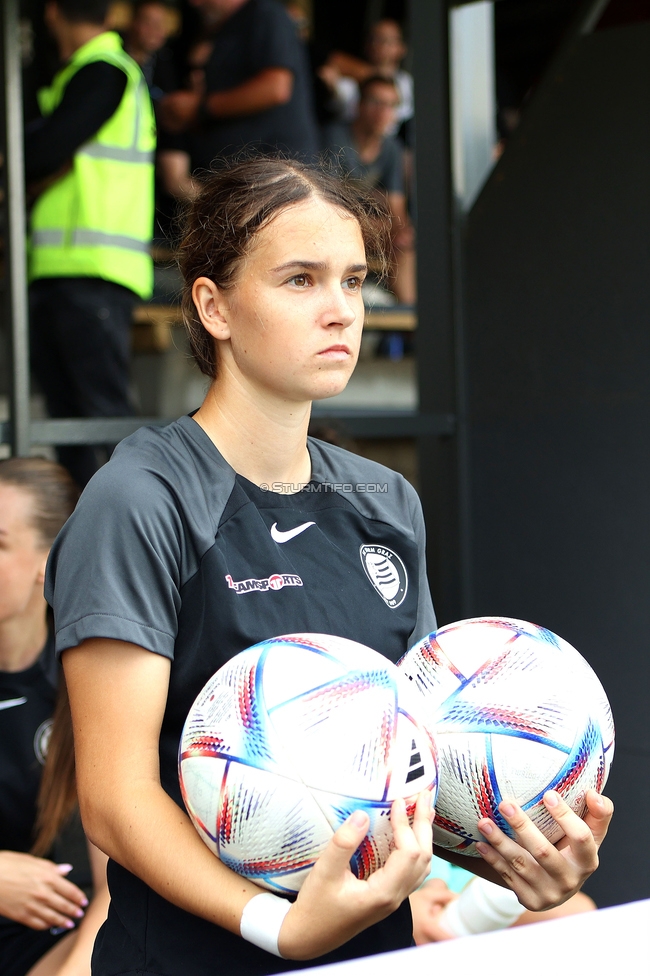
(262, 439)
(22, 639)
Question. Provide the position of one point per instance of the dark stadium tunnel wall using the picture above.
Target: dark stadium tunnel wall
(557, 331)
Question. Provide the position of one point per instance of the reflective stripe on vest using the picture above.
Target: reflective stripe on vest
(97, 238)
(129, 154)
(47, 238)
(114, 152)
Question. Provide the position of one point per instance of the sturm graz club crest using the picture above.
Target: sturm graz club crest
(386, 572)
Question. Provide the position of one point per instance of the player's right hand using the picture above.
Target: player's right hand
(34, 892)
(333, 905)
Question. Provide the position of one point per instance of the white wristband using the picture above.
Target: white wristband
(262, 920)
(481, 907)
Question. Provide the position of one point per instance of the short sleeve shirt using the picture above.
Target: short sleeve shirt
(386, 172)
(260, 35)
(172, 550)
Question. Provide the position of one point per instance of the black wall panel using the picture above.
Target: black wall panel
(557, 308)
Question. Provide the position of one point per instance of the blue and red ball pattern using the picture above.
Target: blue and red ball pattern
(287, 740)
(515, 711)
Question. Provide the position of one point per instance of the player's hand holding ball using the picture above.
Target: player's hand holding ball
(525, 740)
(333, 905)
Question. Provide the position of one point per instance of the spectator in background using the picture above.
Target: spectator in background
(146, 42)
(89, 163)
(43, 921)
(366, 152)
(257, 88)
(343, 73)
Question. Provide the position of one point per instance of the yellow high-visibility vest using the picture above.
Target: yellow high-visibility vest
(97, 220)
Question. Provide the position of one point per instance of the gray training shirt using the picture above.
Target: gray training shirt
(171, 550)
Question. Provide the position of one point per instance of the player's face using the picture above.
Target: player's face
(295, 314)
(22, 557)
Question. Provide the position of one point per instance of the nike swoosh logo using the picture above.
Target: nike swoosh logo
(12, 702)
(281, 537)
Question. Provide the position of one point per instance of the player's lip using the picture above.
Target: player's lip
(337, 350)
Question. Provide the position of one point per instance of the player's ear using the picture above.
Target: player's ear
(212, 307)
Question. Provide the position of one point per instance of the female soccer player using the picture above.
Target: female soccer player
(45, 928)
(226, 528)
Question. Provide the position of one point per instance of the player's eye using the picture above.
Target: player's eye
(300, 280)
(353, 283)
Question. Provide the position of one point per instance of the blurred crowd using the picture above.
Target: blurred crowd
(141, 99)
(229, 75)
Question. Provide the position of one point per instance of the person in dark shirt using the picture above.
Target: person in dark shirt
(257, 87)
(41, 901)
(365, 151)
(146, 42)
(385, 51)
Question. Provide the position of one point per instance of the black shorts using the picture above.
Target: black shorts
(22, 947)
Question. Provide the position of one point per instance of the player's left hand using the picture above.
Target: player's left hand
(541, 874)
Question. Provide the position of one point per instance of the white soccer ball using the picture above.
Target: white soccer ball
(286, 740)
(516, 711)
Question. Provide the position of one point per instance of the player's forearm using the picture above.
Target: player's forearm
(147, 833)
(140, 827)
(265, 90)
